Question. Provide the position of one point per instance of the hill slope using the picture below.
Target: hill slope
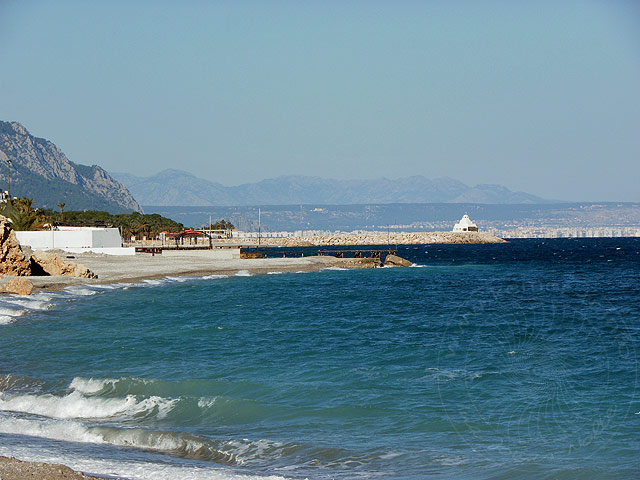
(41, 171)
(176, 187)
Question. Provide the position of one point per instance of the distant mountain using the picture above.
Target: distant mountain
(41, 171)
(179, 188)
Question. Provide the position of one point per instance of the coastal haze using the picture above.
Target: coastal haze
(540, 98)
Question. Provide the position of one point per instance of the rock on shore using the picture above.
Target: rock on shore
(52, 264)
(396, 261)
(19, 286)
(13, 261)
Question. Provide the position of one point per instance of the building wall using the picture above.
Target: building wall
(76, 238)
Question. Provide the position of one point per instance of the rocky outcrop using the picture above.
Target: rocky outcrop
(19, 286)
(46, 263)
(396, 261)
(41, 171)
(13, 260)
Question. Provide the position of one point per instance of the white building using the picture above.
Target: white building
(76, 240)
(465, 225)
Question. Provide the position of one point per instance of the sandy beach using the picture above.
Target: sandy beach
(14, 469)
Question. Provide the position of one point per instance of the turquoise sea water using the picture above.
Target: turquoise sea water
(518, 360)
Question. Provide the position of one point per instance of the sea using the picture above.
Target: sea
(503, 361)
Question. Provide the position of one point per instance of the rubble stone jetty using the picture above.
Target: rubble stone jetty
(384, 238)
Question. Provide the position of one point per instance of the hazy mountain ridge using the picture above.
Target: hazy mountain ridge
(40, 170)
(180, 188)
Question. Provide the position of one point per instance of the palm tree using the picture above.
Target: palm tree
(61, 206)
(21, 215)
(24, 220)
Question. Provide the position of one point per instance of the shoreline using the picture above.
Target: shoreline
(116, 269)
(124, 269)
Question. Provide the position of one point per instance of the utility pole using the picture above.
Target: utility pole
(9, 178)
(259, 226)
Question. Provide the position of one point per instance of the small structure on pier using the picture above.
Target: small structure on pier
(465, 225)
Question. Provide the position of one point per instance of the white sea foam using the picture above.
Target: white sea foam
(141, 467)
(243, 273)
(336, 268)
(214, 277)
(274, 273)
(181, 279)
(12, 312)
(77, 405)
(81, 291)
(247, 450)
(53, 429)
(5, 319)
(206, 402)
(91, 385)
(105, 286)
(29, 303)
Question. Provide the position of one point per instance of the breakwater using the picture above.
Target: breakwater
(380, 238)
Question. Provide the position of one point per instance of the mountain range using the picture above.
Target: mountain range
(180, 188)
(39, 170)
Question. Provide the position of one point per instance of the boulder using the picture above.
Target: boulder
(396, 261)
(46, 263)
(13, 261)
(20, 286)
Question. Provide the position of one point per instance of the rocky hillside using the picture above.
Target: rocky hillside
(179, 188)
(41, 171)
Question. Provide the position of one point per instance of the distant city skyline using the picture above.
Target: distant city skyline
(540, 97)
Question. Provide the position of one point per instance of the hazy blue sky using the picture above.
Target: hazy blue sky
(538, 96)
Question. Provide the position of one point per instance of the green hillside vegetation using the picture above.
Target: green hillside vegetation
(129, 223)
(24, 216)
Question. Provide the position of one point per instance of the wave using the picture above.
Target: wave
(81, 290)
(243, 273)
(180, 444)
(77, 405)
(30, 303)
(113, 386)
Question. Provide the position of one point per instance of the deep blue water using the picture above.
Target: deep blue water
(515, 360)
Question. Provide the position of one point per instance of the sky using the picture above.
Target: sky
(542, 97)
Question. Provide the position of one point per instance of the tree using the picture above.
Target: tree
(61, 206)
(222, 225)
(21, 214)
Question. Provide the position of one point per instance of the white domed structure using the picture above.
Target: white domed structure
(465, 225)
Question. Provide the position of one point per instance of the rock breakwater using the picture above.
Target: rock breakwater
(382, 238)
